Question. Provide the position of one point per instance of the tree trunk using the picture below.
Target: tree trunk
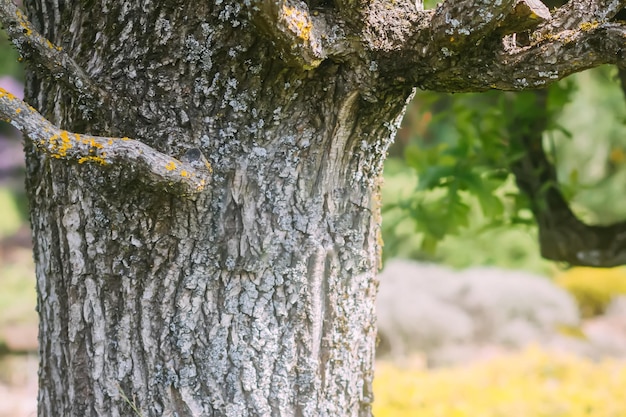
(253, 299)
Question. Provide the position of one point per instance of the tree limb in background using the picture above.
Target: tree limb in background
(460, 47)
(159, 169)
(562, 236)
(622, 78)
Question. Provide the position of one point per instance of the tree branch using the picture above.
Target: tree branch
(548, 59)
(44, 54)
(159, 169)
(392, 26)
(457, 24)
(526, 14)
(562, 236)
(460, 47)
(576, 12)
(448, 30)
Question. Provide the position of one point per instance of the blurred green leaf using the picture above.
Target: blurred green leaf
(434, 176)
(10, 220)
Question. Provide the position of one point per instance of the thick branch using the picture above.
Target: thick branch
(527, 14)
(157, 167)
(562, 236)
(454, 26)
(391, 26)
(460, 47)
(425, 48)
(549, 59)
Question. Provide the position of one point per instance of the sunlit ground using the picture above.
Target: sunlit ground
(533, 383)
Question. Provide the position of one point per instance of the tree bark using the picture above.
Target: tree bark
(253, 299)
(223, 263)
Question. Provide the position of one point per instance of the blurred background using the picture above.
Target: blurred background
(472, 321)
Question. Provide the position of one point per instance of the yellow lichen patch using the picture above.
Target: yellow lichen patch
(89, 141)
(298, 21)
(208, 166)
(5, 93)
(95, 159)
(27, 30)
(312, 65)
(18, 111)
(65, 138)
(52, 46)
(125, 138)
(60, 144)
(184, 173)
(170, 166)
(587, 26)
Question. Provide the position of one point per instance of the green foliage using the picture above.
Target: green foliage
(461, 160)
(9, 64)
(591, 160)
(593, 288)
(459, 153)
(11, 218)
(478, 244)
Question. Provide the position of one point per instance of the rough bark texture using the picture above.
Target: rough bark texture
(255, 295)
(253, 299)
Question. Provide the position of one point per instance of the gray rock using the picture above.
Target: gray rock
(446, 314)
